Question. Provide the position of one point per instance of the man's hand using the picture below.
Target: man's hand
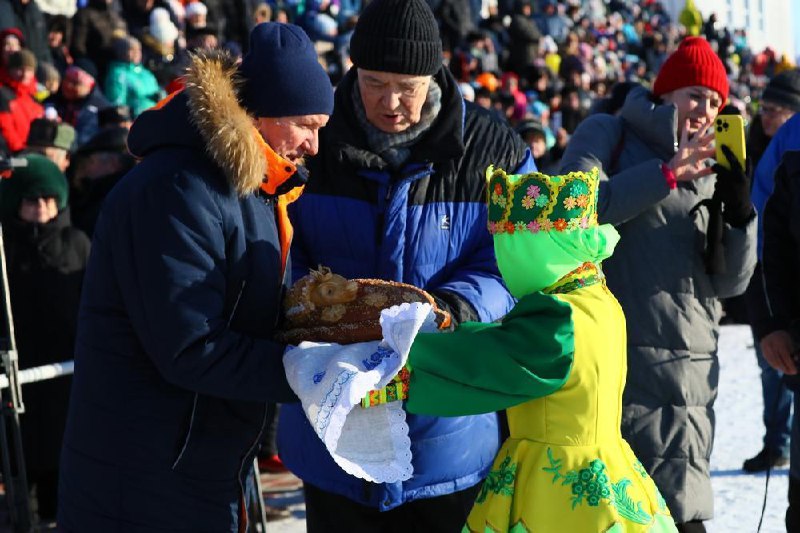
(778, 349)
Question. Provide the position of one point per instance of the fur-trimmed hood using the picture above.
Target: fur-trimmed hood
(207, 115)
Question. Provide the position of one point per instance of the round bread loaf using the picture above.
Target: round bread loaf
(326, 307)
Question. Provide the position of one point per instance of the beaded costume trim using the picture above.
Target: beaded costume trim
(584, 276)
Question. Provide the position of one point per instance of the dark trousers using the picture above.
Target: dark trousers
(44, 495)
(777, 406)
(443, 514)
(694, 526)
(793, 511)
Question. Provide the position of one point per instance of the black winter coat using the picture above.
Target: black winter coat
(45, 269)
(781, 257)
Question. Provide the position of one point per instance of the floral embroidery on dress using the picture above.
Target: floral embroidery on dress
(519, 527)
(637, 465)
(318, 377)
(500, 481)
(662, 503)
(592, 485)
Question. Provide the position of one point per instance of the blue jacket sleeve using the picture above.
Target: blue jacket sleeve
(172, 276)
(527, 165)
(476, 290)
(787, 138)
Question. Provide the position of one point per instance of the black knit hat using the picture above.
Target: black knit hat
(398, 36)
(784, 90)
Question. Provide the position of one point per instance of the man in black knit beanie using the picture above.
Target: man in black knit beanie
(397, 192)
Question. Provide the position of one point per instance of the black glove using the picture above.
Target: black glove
(460, 310)
(733, 190)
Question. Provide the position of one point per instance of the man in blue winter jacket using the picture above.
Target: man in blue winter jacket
(174, 362)
(397, 192)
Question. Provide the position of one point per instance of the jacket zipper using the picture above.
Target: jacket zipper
(188, 433)
(236, 302)
(244, 460)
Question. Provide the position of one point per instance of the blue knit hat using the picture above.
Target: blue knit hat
(282, 75)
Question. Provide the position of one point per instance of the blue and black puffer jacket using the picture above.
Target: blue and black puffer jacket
(424, 224)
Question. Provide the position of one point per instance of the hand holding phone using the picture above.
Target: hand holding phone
(732, 186)
(729, 131)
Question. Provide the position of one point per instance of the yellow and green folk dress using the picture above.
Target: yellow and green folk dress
(556, 362)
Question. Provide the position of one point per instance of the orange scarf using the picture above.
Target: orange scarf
(278, 171)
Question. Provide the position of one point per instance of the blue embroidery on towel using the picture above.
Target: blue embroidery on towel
(331, 399)
(377, 357)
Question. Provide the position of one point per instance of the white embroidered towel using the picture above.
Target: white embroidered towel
(330, 380)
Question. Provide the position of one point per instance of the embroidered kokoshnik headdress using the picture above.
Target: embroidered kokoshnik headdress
(545, 227)
(537, 202)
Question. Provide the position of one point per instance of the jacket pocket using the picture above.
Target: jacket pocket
(218, 435)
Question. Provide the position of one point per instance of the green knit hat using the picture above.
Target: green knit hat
(41, 177)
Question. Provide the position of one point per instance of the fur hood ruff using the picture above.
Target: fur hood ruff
(212, 86)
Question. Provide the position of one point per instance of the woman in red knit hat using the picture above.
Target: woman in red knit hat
(687, 239)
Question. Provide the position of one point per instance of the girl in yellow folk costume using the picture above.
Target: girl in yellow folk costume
(557, 362)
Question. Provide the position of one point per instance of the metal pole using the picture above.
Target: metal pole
(13, 461)
(258, 514)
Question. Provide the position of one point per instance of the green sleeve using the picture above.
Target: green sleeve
(480, 368)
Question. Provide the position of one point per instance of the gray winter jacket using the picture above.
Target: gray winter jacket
(671, 304)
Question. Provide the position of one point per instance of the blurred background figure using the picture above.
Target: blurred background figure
(97, 166)
(116, 115)
(46, 258)
(533, 133)
(79, 101)
(128, 82)
(96, 26)
(18, 108)
(28, 19)
(53, 140)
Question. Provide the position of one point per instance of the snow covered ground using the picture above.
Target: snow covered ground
(738, 497)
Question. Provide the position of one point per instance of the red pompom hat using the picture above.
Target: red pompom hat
(693, 63)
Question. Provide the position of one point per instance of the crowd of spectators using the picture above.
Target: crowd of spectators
(542, 65)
